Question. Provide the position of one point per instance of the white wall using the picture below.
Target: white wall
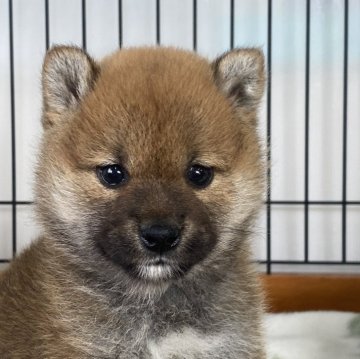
(288, 99)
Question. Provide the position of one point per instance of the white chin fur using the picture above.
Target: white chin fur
(155, 271)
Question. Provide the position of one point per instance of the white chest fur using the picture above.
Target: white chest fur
(185, 344)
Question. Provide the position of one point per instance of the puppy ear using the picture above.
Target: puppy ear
(240, 75)
(69, 73)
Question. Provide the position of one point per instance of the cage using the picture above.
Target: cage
(309, 120)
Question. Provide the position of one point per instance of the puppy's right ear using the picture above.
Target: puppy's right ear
(69, 73)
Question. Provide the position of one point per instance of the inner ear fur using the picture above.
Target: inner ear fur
(68, 74)
(240, 75)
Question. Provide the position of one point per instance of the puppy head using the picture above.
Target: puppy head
(150, 162)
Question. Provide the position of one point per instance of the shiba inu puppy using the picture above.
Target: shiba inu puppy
(149, 178)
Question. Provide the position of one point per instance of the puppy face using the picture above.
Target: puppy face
(150, 162)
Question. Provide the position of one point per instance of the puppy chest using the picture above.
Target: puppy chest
(185, 344)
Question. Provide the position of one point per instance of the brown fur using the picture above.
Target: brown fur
(78, 291)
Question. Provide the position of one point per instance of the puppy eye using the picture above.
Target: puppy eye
(111, 175)
(200, 176)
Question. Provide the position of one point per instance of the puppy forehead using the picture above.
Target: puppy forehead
(156, 85)
(168, 68)
(158, 102)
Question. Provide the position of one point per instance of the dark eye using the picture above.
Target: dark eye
(200, 176)
(111, 175)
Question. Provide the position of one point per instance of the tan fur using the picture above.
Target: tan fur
(155, 111)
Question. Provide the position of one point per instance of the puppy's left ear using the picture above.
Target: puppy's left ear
(240, 75)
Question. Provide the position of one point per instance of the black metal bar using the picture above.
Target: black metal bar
(299, 262)
(13, 136)
(278, 262)
(307, 98)
(47, 29)
(268, 143)
(232, 23)
(158, 22)
(344, 164)
(120, 21)
(323, 203)
(15, 203)
(272, 202)
(195, 25)
(83, 23)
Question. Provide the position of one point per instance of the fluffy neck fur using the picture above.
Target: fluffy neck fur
(97, 319)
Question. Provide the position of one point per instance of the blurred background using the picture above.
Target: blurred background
(309, 118)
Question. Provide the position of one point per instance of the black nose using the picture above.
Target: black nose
(160, 238)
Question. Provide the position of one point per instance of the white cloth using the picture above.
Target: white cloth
(313, 335)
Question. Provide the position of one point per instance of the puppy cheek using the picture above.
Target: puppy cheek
(218, 199)
(63, 209)
(232, 203)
